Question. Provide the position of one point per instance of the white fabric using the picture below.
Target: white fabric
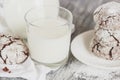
(42, 71)
(27, 70)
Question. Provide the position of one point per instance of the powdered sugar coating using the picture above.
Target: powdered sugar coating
(12, 50)
(106, 40)
(108, 15)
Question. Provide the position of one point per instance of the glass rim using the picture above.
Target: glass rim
(38, 26)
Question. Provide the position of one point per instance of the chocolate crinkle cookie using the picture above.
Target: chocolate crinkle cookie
(106, 40)
(12, 50)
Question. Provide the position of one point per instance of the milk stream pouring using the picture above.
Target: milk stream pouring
(14, 11)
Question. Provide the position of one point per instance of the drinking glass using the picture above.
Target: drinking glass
(49, 37)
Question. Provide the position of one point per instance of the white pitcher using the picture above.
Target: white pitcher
(14, 11)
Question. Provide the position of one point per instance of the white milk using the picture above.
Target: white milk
(49, 42)
(14, 11)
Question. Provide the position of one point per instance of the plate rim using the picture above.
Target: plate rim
(89, 64)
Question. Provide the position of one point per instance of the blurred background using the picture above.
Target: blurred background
(82, 11)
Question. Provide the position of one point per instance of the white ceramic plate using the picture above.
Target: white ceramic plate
(80, 50)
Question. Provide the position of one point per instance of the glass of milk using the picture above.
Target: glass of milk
(48, 36)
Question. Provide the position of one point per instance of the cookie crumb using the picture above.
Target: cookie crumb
(5, 69)
(9, 72)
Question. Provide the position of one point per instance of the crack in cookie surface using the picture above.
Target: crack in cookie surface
(8, 47)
